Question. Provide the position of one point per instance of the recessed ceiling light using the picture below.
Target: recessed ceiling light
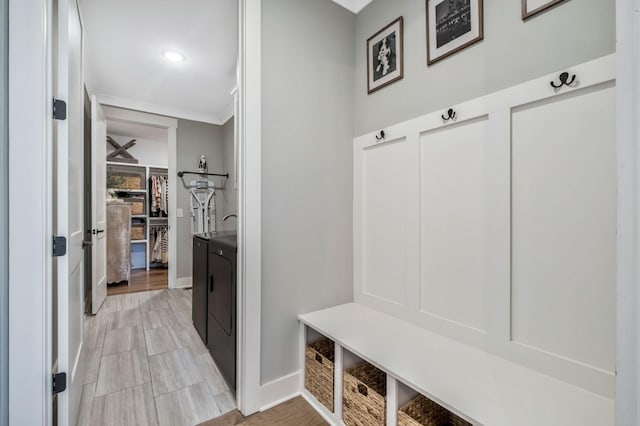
(173, 56)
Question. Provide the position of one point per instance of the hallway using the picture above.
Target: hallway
(146, 364)
(142, 280)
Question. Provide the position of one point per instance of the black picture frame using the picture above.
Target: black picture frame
(385, 56)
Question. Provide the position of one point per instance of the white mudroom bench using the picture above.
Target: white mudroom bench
(478, 386)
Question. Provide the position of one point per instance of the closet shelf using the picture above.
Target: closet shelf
(138, 216)
(133, 191)
(138, 241)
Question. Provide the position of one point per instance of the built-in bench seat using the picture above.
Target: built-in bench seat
(482, 387)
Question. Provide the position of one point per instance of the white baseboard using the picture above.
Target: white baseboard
(184, 282)
(280, 390)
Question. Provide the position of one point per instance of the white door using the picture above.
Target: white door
(69, 206)
(98, 203)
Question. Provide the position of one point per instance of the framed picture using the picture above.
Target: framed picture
(385, 56)
(452, 25)
(533, 7)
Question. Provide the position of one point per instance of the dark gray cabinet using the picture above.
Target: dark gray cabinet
(214, 298)
(221, 323)
(200, 286)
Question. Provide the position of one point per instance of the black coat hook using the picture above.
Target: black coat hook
(564, 80)
(380, 136)
(451, 114)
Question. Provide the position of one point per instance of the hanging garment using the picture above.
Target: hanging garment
(161, 246)
(164, 247)
(164, 195)
(159, 196)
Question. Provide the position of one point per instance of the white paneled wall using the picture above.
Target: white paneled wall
(384, 223)
(453, 184)
(563, 206)
(498, 228)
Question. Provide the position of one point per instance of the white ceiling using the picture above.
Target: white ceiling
(124, 41)
(353, 5)
(137, 131)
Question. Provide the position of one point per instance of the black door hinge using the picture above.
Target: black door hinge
(59, 246)
(59, 382)
(59, 109)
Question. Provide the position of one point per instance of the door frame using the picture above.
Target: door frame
(30, 229)
(249, 132)
(4, 217)
(628, 239)
(115, 113)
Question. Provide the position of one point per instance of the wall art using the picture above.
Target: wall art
(385, 56)
(452, 25)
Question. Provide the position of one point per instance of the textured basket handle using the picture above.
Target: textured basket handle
(363, 389)
(319, 358)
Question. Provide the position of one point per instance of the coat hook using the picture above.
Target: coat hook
(564, 80)
(451, 114)
(380, 136)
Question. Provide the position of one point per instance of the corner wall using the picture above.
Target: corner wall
(194, 139)
(512, 52)
(307, 136)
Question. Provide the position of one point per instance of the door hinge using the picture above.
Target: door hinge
(59, 382)
(59, 246)
(59, 109)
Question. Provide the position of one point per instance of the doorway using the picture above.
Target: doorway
(151, 135)
(138, 174)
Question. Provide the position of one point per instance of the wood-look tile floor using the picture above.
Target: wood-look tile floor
(295, 412)
(142, 280)
(146, 364)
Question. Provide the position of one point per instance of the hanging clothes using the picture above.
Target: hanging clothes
(159, 195)
(161, 246)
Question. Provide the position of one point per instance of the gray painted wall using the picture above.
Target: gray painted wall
(512, 52)
(4, 213)
(193, 140)
(307, 131)
(230, 193)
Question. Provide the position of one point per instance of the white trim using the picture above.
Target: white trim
(184, 282)
(354, 6)
(171, 124)
(628, 141)
(280, 390)
(172, 171)
(30, 272)
(165, 110)
(249, 207)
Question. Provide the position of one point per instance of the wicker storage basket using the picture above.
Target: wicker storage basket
(125, 181)
(137, 206)
(137, 232)
(365, 396)
(421, 411)
(458, 421)
(319, 369)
